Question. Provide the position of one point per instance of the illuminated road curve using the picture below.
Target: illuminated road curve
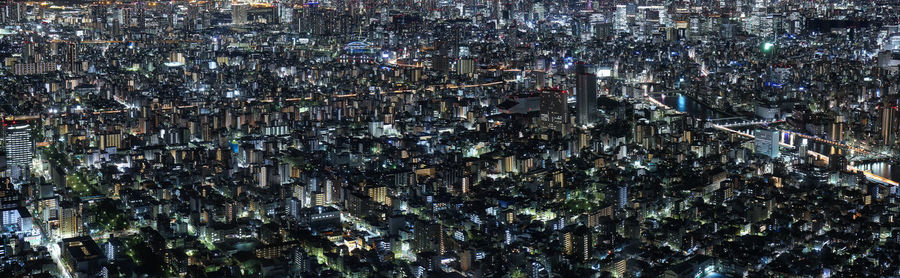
(54, 250)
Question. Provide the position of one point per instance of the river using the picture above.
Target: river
(695, 108)
(884, 169)
(688, 105)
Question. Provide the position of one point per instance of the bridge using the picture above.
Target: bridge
(751, 123)
(789, 142)
(859, 154)
(869, 175)
(830, 142)
(727, 119)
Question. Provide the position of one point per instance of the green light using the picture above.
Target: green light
(768, 46)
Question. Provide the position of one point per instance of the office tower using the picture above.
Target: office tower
(620, 19)
(285, 12)
(13, 12)
(141, 15)
(71, 54)
(30, 52)
(190, 18)
(19, 150)
(98, 16)
(766, 142)
(540, 79)
(837, 129)
(441, 63)
(239, 13)
(554, 109)
(585, 94)
(890, 123)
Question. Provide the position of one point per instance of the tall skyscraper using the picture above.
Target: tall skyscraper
(239, 13)
(71, 54)
(890, 123)
(191, 18)
(19, 150)
(766, 142)
(540, 79)
(585, 94)
(620, 18)
(555, 109)
(285, 12)
(837, 129)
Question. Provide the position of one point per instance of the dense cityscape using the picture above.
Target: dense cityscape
(450, 138)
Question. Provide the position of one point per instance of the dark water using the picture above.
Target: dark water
(687, 105)
(826, 149)
(884, 169)
(694, 108)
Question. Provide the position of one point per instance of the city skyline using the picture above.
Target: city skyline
(464, 138)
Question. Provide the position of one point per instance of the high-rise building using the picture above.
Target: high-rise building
(13, 12)
(540, 79)
(239, 13)
(577, 242)
(71, 54)
(465, 66)
(141, 15)
(441, 63)
(766, 142)
(69, 220)
(837, 129)
(426, 236)
(465, 260)
(19, 149)
(191, 18)
(555, 109)
(620, 19)
(285, 13)
(585, 94)
(890, 123)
